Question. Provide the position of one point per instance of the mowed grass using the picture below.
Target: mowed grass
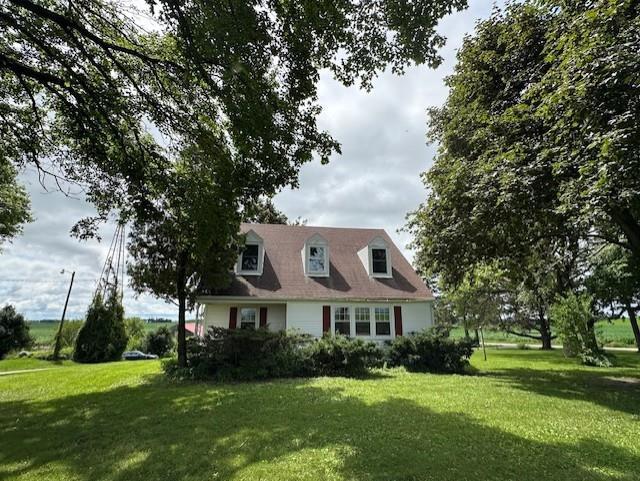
(617, 333)
(526, 415)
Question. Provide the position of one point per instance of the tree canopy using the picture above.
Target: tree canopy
(538, 161)
(92, 93)
(537, 139)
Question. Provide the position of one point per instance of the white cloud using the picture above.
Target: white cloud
(374, 183)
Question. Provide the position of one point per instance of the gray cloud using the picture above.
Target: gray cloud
(374, 183)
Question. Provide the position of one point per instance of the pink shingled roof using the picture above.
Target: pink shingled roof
(283, 274)
(192, 328)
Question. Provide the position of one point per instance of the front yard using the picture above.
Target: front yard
(527, 415)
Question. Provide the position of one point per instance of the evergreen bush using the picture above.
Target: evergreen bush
(102, 338)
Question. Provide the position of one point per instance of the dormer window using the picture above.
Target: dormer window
(376, 259)
(251, 258)
(315, 257)
(379, 261)
(317, 260)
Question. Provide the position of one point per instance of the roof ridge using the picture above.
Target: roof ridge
(316, 226)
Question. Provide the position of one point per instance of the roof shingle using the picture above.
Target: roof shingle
(283, 274)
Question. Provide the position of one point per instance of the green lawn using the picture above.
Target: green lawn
(613, 334)
(527, 415)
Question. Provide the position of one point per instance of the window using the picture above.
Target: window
(363, 321)
(379, 261)
(317, 261)
(342, 322)
(383, 322)
(250, 257)
(247, 318)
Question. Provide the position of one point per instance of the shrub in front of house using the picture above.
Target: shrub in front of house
(342, 356)
(430, 352)
(248, 354)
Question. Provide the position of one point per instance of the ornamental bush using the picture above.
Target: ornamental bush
(102, 338)
(431, 351)
(247, 354)
(14, 331)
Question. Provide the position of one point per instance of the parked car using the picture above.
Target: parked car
(137, 356)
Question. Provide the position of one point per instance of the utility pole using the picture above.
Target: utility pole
(56, 350)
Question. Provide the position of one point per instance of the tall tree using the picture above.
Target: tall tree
(189, 238)
(538, 144)
(84, 85)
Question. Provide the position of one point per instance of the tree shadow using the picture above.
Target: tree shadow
(277, 430)
(609, 388)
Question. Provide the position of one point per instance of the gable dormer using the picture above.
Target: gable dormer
(251, 259)
(376, 258)
(315, 256)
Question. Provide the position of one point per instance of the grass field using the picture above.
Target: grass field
(613, 334)
(526, 416)
(44, 332)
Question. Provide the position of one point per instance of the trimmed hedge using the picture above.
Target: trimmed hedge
(431, 352)
(248, 354)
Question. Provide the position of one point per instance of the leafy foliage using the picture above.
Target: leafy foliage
(103, 337)
(575, 320)
(189, 240)
(14, 331)
(84, 86)
(342, 356)
(159, 342)
(431, 352)
(134, 327)
(69, 333)
(245, 354)
(14, 203)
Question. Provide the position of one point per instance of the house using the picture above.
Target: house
(320, 280)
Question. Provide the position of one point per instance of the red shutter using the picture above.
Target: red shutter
(263, 316)
(397, 315)
(326, 319)
(233, 317)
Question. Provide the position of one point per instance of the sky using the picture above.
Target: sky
(374, 183)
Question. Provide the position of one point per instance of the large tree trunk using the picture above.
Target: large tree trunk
(182, 307)
(545, 333)
(630, 228)
(634, 324)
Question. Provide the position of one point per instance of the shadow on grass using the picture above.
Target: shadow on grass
(606, 388)
(277, 430)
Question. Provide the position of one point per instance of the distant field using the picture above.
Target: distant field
(613, 334)
(44, 332)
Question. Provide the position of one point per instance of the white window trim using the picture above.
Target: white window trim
(316, 241)
(255, 311)
(372, 321)
(366, 257)
(252, 239)
(384, 275)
